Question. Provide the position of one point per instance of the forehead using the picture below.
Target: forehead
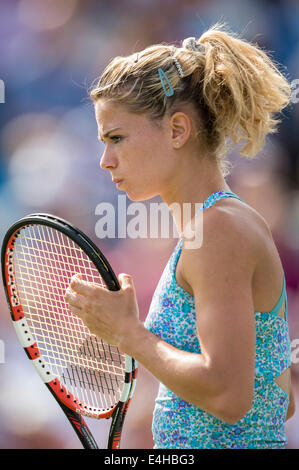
(106, 109)
(111, 115)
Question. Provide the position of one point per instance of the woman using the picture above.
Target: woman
(216, 335)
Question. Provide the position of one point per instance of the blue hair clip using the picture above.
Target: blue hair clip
(163, 77)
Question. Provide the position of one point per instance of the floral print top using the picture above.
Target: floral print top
(180, 425)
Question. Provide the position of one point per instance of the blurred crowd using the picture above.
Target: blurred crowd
(51, 52)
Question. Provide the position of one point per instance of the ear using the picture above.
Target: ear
(180, 124)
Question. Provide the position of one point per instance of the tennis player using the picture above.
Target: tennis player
(216, 335)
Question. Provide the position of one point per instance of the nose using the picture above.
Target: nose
(107, 161)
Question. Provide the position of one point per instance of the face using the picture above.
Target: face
(138, 153)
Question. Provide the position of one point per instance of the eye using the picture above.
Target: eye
(116, 139)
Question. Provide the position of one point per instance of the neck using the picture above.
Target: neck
(192, 184)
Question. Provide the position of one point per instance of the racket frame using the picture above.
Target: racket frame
(69, 404)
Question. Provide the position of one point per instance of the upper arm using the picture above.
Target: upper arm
(220, 275)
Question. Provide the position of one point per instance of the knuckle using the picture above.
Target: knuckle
(128, 276)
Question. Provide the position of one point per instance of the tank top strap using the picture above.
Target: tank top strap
(283, 297)
(176, 254)
(216, 197)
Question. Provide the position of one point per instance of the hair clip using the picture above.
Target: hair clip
(179, 67)
(192, 45)
(163, 77)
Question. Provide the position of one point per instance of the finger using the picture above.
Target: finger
(86, 288)
(72, 298)
(77, 311)
(125, 280)
(80, 286)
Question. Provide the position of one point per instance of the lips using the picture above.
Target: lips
(117, 181)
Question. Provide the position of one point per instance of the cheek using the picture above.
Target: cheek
(141, 185)
(146, 168)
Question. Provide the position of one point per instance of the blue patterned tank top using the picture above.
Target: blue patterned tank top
(180, 425)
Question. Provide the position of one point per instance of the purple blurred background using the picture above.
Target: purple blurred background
(51, 51)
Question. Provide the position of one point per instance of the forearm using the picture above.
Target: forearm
(189, 375)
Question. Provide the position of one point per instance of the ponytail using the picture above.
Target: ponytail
(243, 89)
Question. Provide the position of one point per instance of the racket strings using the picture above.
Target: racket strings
(38, 264)
(44, 262)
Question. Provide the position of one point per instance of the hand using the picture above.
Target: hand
(110, 315)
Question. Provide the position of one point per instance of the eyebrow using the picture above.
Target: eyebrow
(107, 133)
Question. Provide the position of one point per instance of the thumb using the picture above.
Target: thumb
(125, 280)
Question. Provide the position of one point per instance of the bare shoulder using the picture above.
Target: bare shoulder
(232, 224)
(233, 237)
(236, 221)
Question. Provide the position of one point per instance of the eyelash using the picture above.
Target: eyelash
(116, 137)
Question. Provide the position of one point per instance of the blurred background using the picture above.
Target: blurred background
(51, 52)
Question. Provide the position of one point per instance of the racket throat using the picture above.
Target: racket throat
(116, 425)
(78, 424)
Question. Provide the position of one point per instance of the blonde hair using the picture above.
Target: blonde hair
(234, 86)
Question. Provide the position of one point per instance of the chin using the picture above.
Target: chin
(140, 196)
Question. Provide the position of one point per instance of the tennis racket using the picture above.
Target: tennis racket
(88, 377)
